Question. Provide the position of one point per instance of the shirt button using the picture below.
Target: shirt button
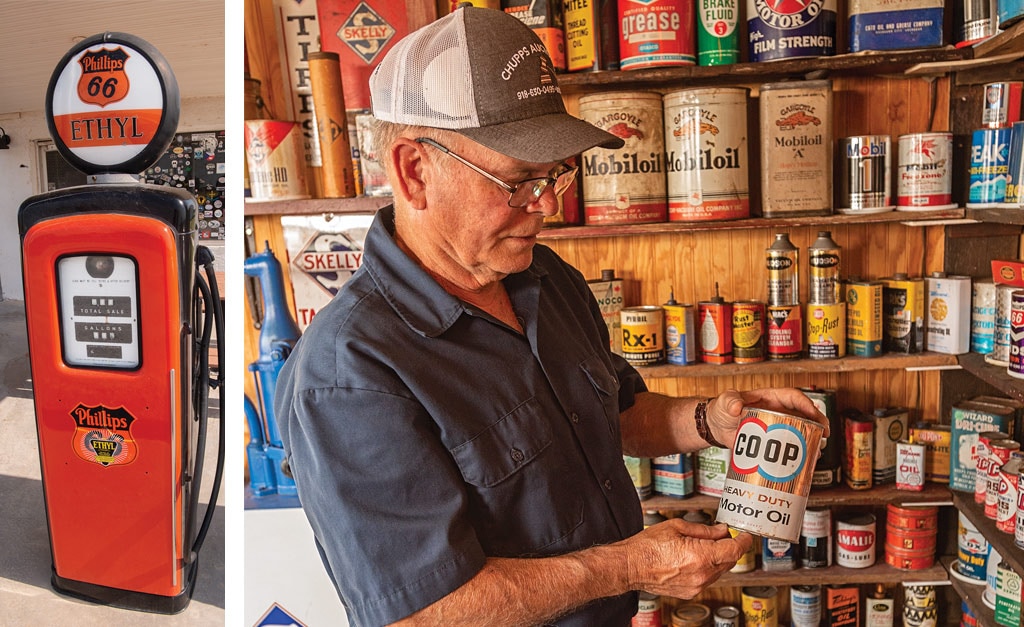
(517, 455)
(575, 418)
(607, 484)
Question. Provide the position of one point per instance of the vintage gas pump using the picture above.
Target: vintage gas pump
(120, 321)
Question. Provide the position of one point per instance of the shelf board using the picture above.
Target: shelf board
(315, 206)
(1002, 541)
(1008, 41)
(880, 572)
(972, 594)
(925, 361)
(997, 215)
(993, 375)
(819, 497)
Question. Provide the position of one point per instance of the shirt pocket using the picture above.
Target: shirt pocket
(606, 386)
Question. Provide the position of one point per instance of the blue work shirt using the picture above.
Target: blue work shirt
(425, 435)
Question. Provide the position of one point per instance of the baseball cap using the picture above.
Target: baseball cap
(487, 76)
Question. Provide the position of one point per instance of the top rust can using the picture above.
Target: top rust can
(796, 139)
(625, 185)
(770, 474)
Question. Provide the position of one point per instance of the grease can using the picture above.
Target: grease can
(643, 335)
(748, 331)
(855, 541)
(715, 329)
(864, 328)
(655, 34)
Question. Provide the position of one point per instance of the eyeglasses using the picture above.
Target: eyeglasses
(524, 192)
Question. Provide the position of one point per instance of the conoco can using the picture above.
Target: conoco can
(924, 179)
(855, 541)
(823, 257)
(972, 550)
(648, 612)
(1018, 533)
(655, 34)
(891, 426)
(1000, 452)
(859, 450)
(805, 606)
(727, 616)
(826, 331)
(715, 317)
(777, 554)
(903, 314)
(706, 161)
(979, 20)
(1000, 355)
(865, 163)
(909, 466)
(796, 139)
(673, 475)
(769, 475)
(828, 471)
(643, 335)
(760, 607)
(948, 307)
(936, 439)
(691, 615)
(864, 328)
(816, 538)
(680, 333)
(1001, 105)
(1015, 185)
(983, 316)
(625, 185)
(718, 37)
(607, 291)
(639, 469)
(1006, 504)
(712, 466)
(983, 459)
(785, 332)
(748, 331)
(782, 259)
(1015, 358)
(990, 167)
(786, 31)
(275, 151)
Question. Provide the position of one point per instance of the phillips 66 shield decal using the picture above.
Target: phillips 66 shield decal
(103, 435)
(103, 79)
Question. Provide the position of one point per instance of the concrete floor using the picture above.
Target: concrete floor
(26, 598)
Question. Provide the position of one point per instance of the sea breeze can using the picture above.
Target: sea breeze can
(648, 613)
(718, 38)
(990, 167)
(823, 259)
(625, 185)
(936, 439)
(656, 33)
(816, 538)
(275, 152)
(948, 310)
(983, 316)
(706, 160)
(805, 606)
(826, 331)
(1015, 184)
(909, 466)
(680, 332)
(863, 317)
(983, 459)
(785, 332)
(782, 259)
(715, 319)
(1006, 505)
(855, 540)
(1015, 363)
(607, 291)
(781, 30)
(673, 475)
(760, 607)
(1001, 104)
(727, 616)
(769, 475)
(712, 467)
(643, 335)
(924, 179)
(796, 139)
(828, 471)
(639, 469)
(859, 450)
(881, 25)
(748, 331)
(864, 166)
(903, 314)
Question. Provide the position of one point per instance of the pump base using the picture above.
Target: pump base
(128, 599)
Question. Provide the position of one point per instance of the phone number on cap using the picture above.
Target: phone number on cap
(537, 91)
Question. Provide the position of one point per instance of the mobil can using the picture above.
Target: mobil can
(718, 40)
(782, 259)
(715, 317)
(770, 471)
(903, 314)
(1015, 185)
(625, 185)
(864, 317)
(1001, 105)
(829, 469)
(883, 25)
(983, 459)
(680, 332)
(924, 166)
(948, 308)
(983, 316)
(909, 466)
(865, 162)
(990, 167)
(748, 331)
(788, 30)
(816, 538)
(1006, 505)
(706, 161)
(826, 331)
(655, 33)
(805, 606)
(673, 475)
(643, 335)
(859, 449)
(1015, 359)
(785, 332)
(855, 540)
(760, 606)
(777, 554)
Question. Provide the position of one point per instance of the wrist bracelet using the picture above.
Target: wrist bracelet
(700, 417)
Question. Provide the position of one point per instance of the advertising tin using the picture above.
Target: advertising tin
(859, 450)
(855, 541)
(760, 606)
(828, 470)
(727, 616)
(912, 517)
(625, 185)
(275, 153)
(924, 179)
(648, 612)
(639, 469)
(1009, 12)
(842, 606)
(691, 614)
(769, 476)
(777, 554)
(911, 548)
(1001, 452)
(1015, 358)
(864, 328)
(715, 319)
(990, 167)
(983, 459)
(919, 596)
(1000, 355)
(1015, 185)
(706, 160)
(909, 466)
(673, 475)
(712, 466)
(971, 552)
(789, 30)
(1001, 104)
(748, 331)
(903, 314)
(805, 606)
(967, 420)
(643, 335)
(785, 332)
(823, 260)
(608, 292)
(1006, 503)
(816, 538)
(782, 259)
(1008, 595)
(948, 311)
(983, 316)
(936, 440)
(864, 181)
(890, 427)
(883, 25)
(680, 333)
(978, 20)
(591, 35)
(878, 608)
(796, 138)
(655, 33)
(826, 331)
(718, 40)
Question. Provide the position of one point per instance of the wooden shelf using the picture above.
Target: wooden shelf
(819, 497)
(972, 594)
(880, 572)
(993, 375)
(1002, 541)
(924, 361)
(997, 215)
(316, 206)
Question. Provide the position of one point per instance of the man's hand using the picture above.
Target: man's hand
(724, 412)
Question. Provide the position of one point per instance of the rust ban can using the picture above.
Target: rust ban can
(924, 180)
(643, 343)
(770, 472)
(748, 331)
(706, 154)
(865, 163)
(863, 317)
(625, 185)
(655, 33)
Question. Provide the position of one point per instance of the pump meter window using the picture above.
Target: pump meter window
(99, 311)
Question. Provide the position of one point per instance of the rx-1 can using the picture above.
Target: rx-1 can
(990, 167)
(855, 541)
(823, 257)
(903, 314)
(858, 460)
(643, 335)
(816, 538)
(805, 606)
(826, 331)
(983, 316)
(864, 182)
(718, 40)
(785, 332)
(864, 328)
(909, 466)
(782, 260)
(715, 329)
(948, 307)
(680, 333)
(748, 331)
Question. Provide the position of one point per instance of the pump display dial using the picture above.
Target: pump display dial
(99, 319)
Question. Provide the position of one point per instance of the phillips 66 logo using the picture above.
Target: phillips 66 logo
(777, 452)
(103, 79)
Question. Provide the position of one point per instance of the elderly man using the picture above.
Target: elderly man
(454, 419)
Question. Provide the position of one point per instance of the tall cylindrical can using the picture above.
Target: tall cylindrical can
(805, 606)
(715, 317)
(655, 34)
(816, 538)
(1000, 451)
(990, 167)
(607, 291)
(275, 151)
(828, 471)
(924, 180)
(859, 450)
(782, 259)
(785, 332)
(891, 426)
(718, 40)
(991, 573)
(1015, 185)
(706, 154)
(625, 185)
(978, 20)
(903, 314)
(331, 125)
(855, 541)
(760, 607)
(780, 30)
(1006, 504)
(748, 560)
(983, 459)
(826, 331)
(643, 342)
(864, 328)
(823, 260)
(1008, 595)
(1000, 354)
(770, 471)
(1015, 367)
(591, 35)
(948, 308)
(546, 20)
(983, 316)
(864, 181)
(1001, 104)
(748, 331)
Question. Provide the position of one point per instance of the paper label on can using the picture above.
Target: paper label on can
(712, 466)
(796, 132)
(983, 317)
(908, 24)
(864, 319)
(948, 314)
(909, 466)
(826, 331)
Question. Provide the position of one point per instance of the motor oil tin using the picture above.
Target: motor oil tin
(881, 25)
(796, 138)
(777, 554)
(948, 309)
(864, 328)
(823, 260)
(842, 606)
(1006, 503)
(625, 185)
(1001, 105)
(805, 606)
(643, 335)
(748, 331)
(855, 541)
(656, 33)
(785, 332)
(717, 33)
(909, 466)
(972, 551)
(706, 154)
(903, 314)
(990, 167)
(782, 260)
(890, 427)
(828, 470)
(984, 458)
(1002, 452)
(924, 180)
(788, 30)
(859, 450)
(826, 331)
(864, 182)
(936, 440)
(816, 538)
(608, 292)
(712, 466)
(1015, 185)
(983, 316)
(715, 317)
(769, 475)
(591, 35)
(275, 153)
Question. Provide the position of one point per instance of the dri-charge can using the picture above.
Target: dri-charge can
(789, 30)
(643, 335)
(865, 163)
(924, 180)
(717, 33)
(770, 474)
(863, 317)
(903, 314)
(855, 541)
(748, 331)
(655, 34)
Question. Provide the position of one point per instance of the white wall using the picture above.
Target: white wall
(19, 176)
